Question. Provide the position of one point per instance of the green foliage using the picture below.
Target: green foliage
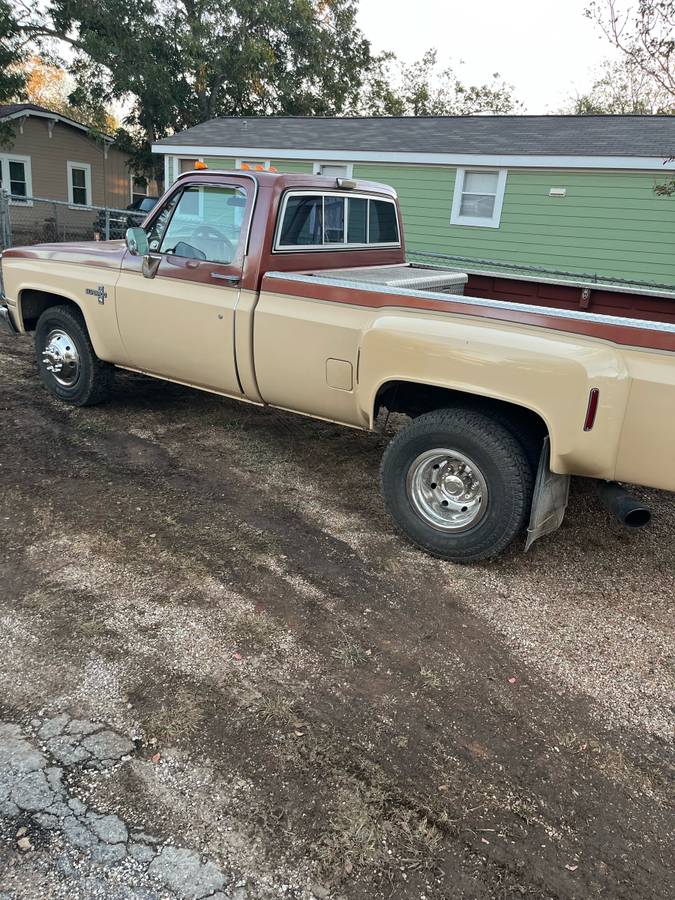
(12, 81)
(643, 31)
(424, 89)
(175, 63)
(180, 62)
(622, 88)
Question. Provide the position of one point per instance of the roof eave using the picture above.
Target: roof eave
(56, 117)
(505, 160)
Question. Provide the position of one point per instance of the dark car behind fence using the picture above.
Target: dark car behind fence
(37, 220)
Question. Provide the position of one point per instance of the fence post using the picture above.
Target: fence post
(107, 224)
(5, 224)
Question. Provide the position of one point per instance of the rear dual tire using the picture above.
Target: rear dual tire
(458, 484)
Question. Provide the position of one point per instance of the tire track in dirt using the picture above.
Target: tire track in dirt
(406, 719)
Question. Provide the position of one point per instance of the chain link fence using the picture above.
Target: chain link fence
(37, 220)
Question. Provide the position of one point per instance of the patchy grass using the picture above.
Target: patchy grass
(276, 709)
(368, 828)
(176, 718)
(431, 678)
(350, 652)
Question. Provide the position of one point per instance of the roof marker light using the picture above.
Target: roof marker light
(592, 409)
(200, 164)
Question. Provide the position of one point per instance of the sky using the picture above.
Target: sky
(547, 50)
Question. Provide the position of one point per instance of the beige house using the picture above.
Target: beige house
(56, 158)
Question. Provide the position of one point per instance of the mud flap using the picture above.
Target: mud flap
(549, 500)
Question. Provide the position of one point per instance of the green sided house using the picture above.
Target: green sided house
(562, 193)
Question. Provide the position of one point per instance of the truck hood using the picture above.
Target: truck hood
(104, 254)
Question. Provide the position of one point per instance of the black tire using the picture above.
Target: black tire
(89, 380)
(501, 461)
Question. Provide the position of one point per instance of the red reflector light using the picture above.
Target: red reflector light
(592, 410)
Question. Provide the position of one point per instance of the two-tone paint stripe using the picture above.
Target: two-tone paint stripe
(617, 329)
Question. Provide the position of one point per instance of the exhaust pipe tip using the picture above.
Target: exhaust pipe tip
(638, 517)
(630, 511)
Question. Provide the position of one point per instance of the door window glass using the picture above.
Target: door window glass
(204, 222)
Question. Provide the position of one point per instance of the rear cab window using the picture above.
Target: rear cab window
(322, 220)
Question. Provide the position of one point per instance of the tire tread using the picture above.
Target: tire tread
(513, 461)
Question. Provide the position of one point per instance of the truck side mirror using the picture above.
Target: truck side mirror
(137, 241)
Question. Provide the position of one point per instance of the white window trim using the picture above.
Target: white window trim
(265, 163)
(5, 159)
(316, 167)
(478, 221)
(70, 165)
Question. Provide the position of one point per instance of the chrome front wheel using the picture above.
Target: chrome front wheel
(61, 357)
(67, 363)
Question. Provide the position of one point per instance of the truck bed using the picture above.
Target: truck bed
(610, 313)
(597, 298)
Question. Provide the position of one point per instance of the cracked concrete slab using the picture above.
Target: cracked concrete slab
(33, 785)
(183, 872)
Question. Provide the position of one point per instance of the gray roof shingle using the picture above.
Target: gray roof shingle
(648, 136)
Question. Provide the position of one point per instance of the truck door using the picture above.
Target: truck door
(175, 307)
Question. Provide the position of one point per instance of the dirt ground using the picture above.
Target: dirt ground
(223, 674)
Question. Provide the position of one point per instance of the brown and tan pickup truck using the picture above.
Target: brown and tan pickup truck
(294, 291)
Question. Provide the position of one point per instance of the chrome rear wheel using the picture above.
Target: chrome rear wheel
(447, 490)
(458, 484)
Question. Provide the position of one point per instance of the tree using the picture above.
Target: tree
(50, 85)
(12, 79)
(644, 33)
(622, 88)
(180, 62)
(422, 88)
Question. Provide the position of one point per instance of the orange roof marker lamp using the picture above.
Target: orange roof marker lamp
(258, 167)
(200, 165)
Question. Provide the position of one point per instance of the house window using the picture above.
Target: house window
(79, 184)
(253, 164)
(139, 187)
(15, 177)
(478, 198)
(187, 163)
(325, 221)
(334, 170)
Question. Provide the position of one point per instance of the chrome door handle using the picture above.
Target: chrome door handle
(232, 279)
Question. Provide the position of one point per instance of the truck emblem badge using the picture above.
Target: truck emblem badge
(99, 292)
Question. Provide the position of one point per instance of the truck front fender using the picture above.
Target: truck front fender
(32, 284)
